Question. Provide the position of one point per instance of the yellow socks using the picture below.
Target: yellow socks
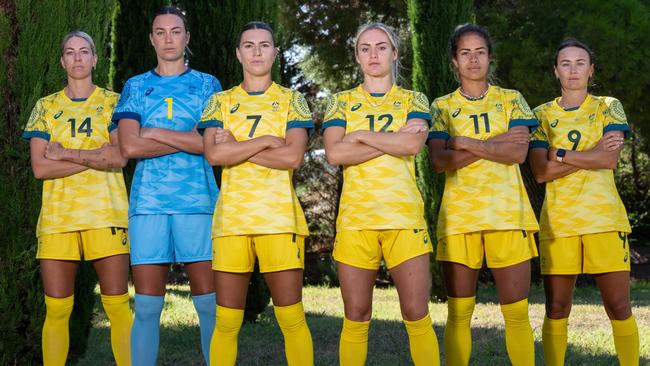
(353, 346)
(56, 331)
(297, 339)
(554, 340)
(223, 347)
(119, 314)
(423, 342)
(519, 334)
(626, 341)
(458, 337)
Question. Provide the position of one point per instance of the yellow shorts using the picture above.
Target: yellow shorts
(365, 248)
(89, 244)
(591, 253)
(501, 248)
(276, 252)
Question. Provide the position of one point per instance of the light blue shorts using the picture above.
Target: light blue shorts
(176, 238)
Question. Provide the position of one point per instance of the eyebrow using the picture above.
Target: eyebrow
(253, 42)
(72, 49)
(377, 44)
(161, 28)
(477, 48)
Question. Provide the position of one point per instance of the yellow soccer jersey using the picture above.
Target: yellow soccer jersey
(91, 199)
(255, 199)
(586, 201)
(381, 193)
(484, 195)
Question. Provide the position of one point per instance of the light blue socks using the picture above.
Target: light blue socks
(145, 334)
(206, 306)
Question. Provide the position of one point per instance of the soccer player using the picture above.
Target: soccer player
(584, 225)
(479, 135)
(257, 131)
(374, 131)
(174, 189)
(74, 151)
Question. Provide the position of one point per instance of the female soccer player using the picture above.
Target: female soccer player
(84, 209)
(479, 134)
(374, 131)
(584, 225)
(257, 131)
(173, 190)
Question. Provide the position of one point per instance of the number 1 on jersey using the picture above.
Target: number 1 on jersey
(170, 107)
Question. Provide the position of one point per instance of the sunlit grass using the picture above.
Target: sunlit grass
(590, 340)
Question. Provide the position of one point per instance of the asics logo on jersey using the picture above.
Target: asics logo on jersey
(148, 91)
(554, 123)
(592, 118)
(355, 107)
(625, 258)
(59, 113)
(235, 108)
(456, 112)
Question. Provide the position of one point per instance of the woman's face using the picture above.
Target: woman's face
(169, 37)
(472, 59)
(573, 68)
(375, 53)
(78, 59)
(256, 52)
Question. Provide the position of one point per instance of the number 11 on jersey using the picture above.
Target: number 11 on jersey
(170, 106)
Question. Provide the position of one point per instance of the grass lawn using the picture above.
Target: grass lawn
(590, 340)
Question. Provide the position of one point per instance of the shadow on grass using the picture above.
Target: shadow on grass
(261, 344)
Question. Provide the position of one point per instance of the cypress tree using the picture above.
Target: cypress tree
(30, 35)
(432, 22)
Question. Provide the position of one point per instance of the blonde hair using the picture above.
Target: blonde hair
(79, 34)
(392, 38)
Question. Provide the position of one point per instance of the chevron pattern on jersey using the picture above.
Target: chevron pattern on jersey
(255, 199)
(179, 183)
(90, 199)
(379, 194)
(484, 195)
(584, 202)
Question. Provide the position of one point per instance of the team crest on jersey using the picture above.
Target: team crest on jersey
(148, 91)
(456, 112)
(100, 109)
(191, 89)
(499, 107)
(58, 114)
(554, 123)
(234, 108)
(355, 107)
(275, 106)
(397, 105)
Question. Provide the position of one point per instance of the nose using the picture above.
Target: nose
(77, 56)
(168, 37)
(257, 50)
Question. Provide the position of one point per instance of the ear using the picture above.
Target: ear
(395, 55)
(62, 63)
(454, 62)
(187, 41)
(151, 38)
(94, 61)
(238, 54)
(557, 76)
(591, 71)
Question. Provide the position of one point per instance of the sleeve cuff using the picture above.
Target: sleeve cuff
(334, 122)
(39, 134)
(307, 124)
(438, 135)
(531, 123)
(112, 127)
(415, 114)
(538, 144)
(125, 115)
(211, 123)
(618, 127)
